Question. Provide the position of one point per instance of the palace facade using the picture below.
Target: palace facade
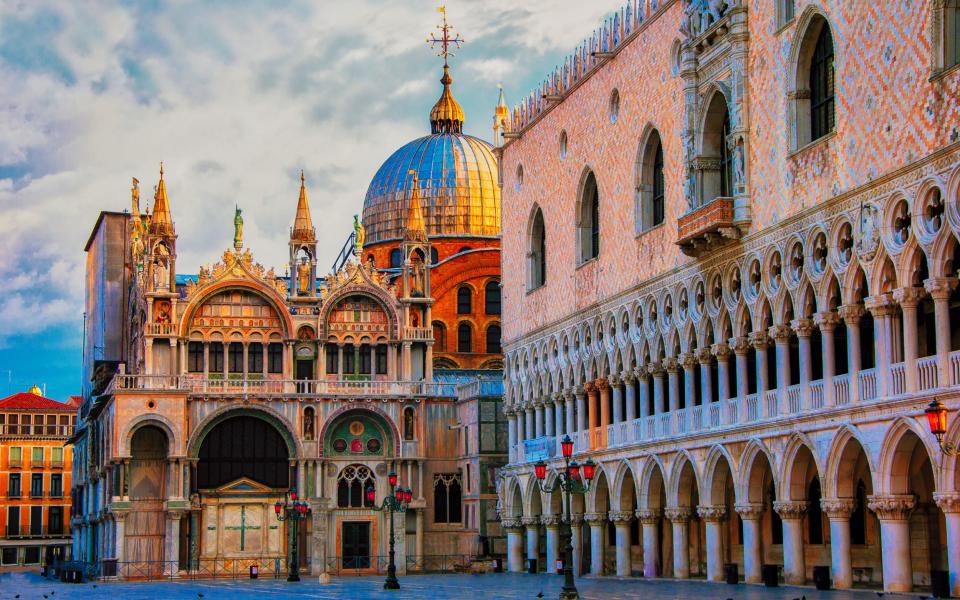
(730, 275)
(212, 396)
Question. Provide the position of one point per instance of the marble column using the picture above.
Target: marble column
(791, 514)
(604, 386)
(538, 418)
(688, 361)
(650, 523)
(673, 384)
(706, 382)
(838, 511)
(722, 354)
(656, 370)
(576, 543)
(532, 525)
(592, 416)
(761, 342)
(571, 424)
(750, 514)
(882, 309)
(679, 518)
(598, 526)
(851, 314)
(120, 520)
(514, 529)
(418, 539)
(740, 347)
(940, 290)
(644, 399)
(804, 329)
(512, 435)
(714, 516)
(172, 543)
(621, 522)
(557, 408)
(827, 322)
(529, 425)
(893, 511)
(552, 524)
(781, 339)
(909, 299)
(630, 410)
(581, 396)
(949, 503)
(616, 383)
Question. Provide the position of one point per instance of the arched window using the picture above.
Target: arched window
(464, 338)
(651, 187)
(408, 423)
(493, 339)
(588, 220)
(434, 256)
(309, 423)
(726, 164)
(822, 115)
(716, 181)
(447, 498)
(464, 300)
(236, 357)
(492, 297)
(439, 336)
(352, 484)
(396, 258)
(537, 254)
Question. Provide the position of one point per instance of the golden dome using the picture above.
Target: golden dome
(35, 390)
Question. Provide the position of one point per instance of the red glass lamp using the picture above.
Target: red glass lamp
(392, 478)
(398, 493)
(566, 445)
(371, 494)
(937, 418)
(277, 507)
(407, 495)
(293, 494)
(589, 470)
(573, 471)
(540, 469)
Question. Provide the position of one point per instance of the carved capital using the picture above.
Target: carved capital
(826, 320)
(851, 313)
(780, 333)
(750, 511)
(530, 521)
(670, 364)
(576, 520)
(759, 339)
(949, 502)
(721, 351)
(803, 327)
(704, 357)
(838, 508)
(614, 379)
(589, 387)
(603, 385)
(595, 518)
(740, 345)
(909, 297)
(879, 306)
(678, 514)
(550, 521)
(620, 517)
(511, 524)
(712, 513)
(791, 509)
(655, 368)
(940, 287)
(628, 377)
(641, 373)
(893, 507)
(687, 360)
(648, 516)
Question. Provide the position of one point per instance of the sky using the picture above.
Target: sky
(236, 98)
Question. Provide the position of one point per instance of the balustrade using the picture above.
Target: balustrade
(753, 408)
(928, 372)
(795, 399)
(816, 395)
(868, 385)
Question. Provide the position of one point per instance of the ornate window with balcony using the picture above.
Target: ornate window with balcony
(352, 482)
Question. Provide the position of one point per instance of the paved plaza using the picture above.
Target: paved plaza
(28, 586)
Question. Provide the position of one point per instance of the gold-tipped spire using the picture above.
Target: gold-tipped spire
(303, 230)
(161, 223)
(446, 116)
(35, 390)
(416, 228)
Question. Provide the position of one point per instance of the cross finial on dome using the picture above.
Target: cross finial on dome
(447, 114)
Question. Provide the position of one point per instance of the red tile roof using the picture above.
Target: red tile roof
(28, 401)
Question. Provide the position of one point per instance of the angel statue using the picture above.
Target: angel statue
(359, 235)
(238, 229)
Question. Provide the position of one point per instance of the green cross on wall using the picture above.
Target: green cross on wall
(243, 527)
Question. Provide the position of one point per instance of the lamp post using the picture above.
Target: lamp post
(292, 510)
(937, 419)
(396, 501)
(570, 481)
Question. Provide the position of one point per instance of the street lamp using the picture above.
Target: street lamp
(292, 510)
(396, 501)
(570, 481)
(937, 419)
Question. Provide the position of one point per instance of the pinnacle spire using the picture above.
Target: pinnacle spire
(162, 222)
(303, 230)
(416, 229)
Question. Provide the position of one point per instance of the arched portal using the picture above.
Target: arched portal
(147, 490)
(243, 447)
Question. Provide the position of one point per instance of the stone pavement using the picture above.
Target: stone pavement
(29, 586)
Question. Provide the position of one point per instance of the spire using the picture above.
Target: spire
(162, 222)
(501, 118)
(303, 230)
(446, 116)
(416, 230)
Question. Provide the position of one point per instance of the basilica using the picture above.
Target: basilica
(731, 240)
(210, 397)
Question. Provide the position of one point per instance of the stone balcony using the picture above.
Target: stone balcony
(707, 227)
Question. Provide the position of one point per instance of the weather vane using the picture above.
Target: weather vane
(444, 40)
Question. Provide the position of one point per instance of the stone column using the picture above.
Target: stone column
(120, 521)
(631, 397)
(548, 417)
(558, 419)
(882, 310)
(172, 543)
(576, 543)
(673, 381)
(598, 525)
(592, 417)
(827, 322)
(750, 514)
(418, 540)
(532, 525)
(893, 511)
(761, 342)
(740, 347)
(571, 424)
(656, 370)
(617, 384)
(851, 314)
(838, 510)
(791, 513)
(688, 361)
(621, 521)
(644, 401)
(940, 290)
(538, 418)
(949, 503)
(781, 339)
(514, 529)
(722, 354)
(909, 299)
(650, 522)
(581, 396)
(706, 383)
(512, 435)
(552, 523)
(528, 433)
(604, 386)
(679, 518)
(804, 329)
(714, 516)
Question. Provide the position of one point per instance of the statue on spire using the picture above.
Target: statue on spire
(237, 230)
(359, 235)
